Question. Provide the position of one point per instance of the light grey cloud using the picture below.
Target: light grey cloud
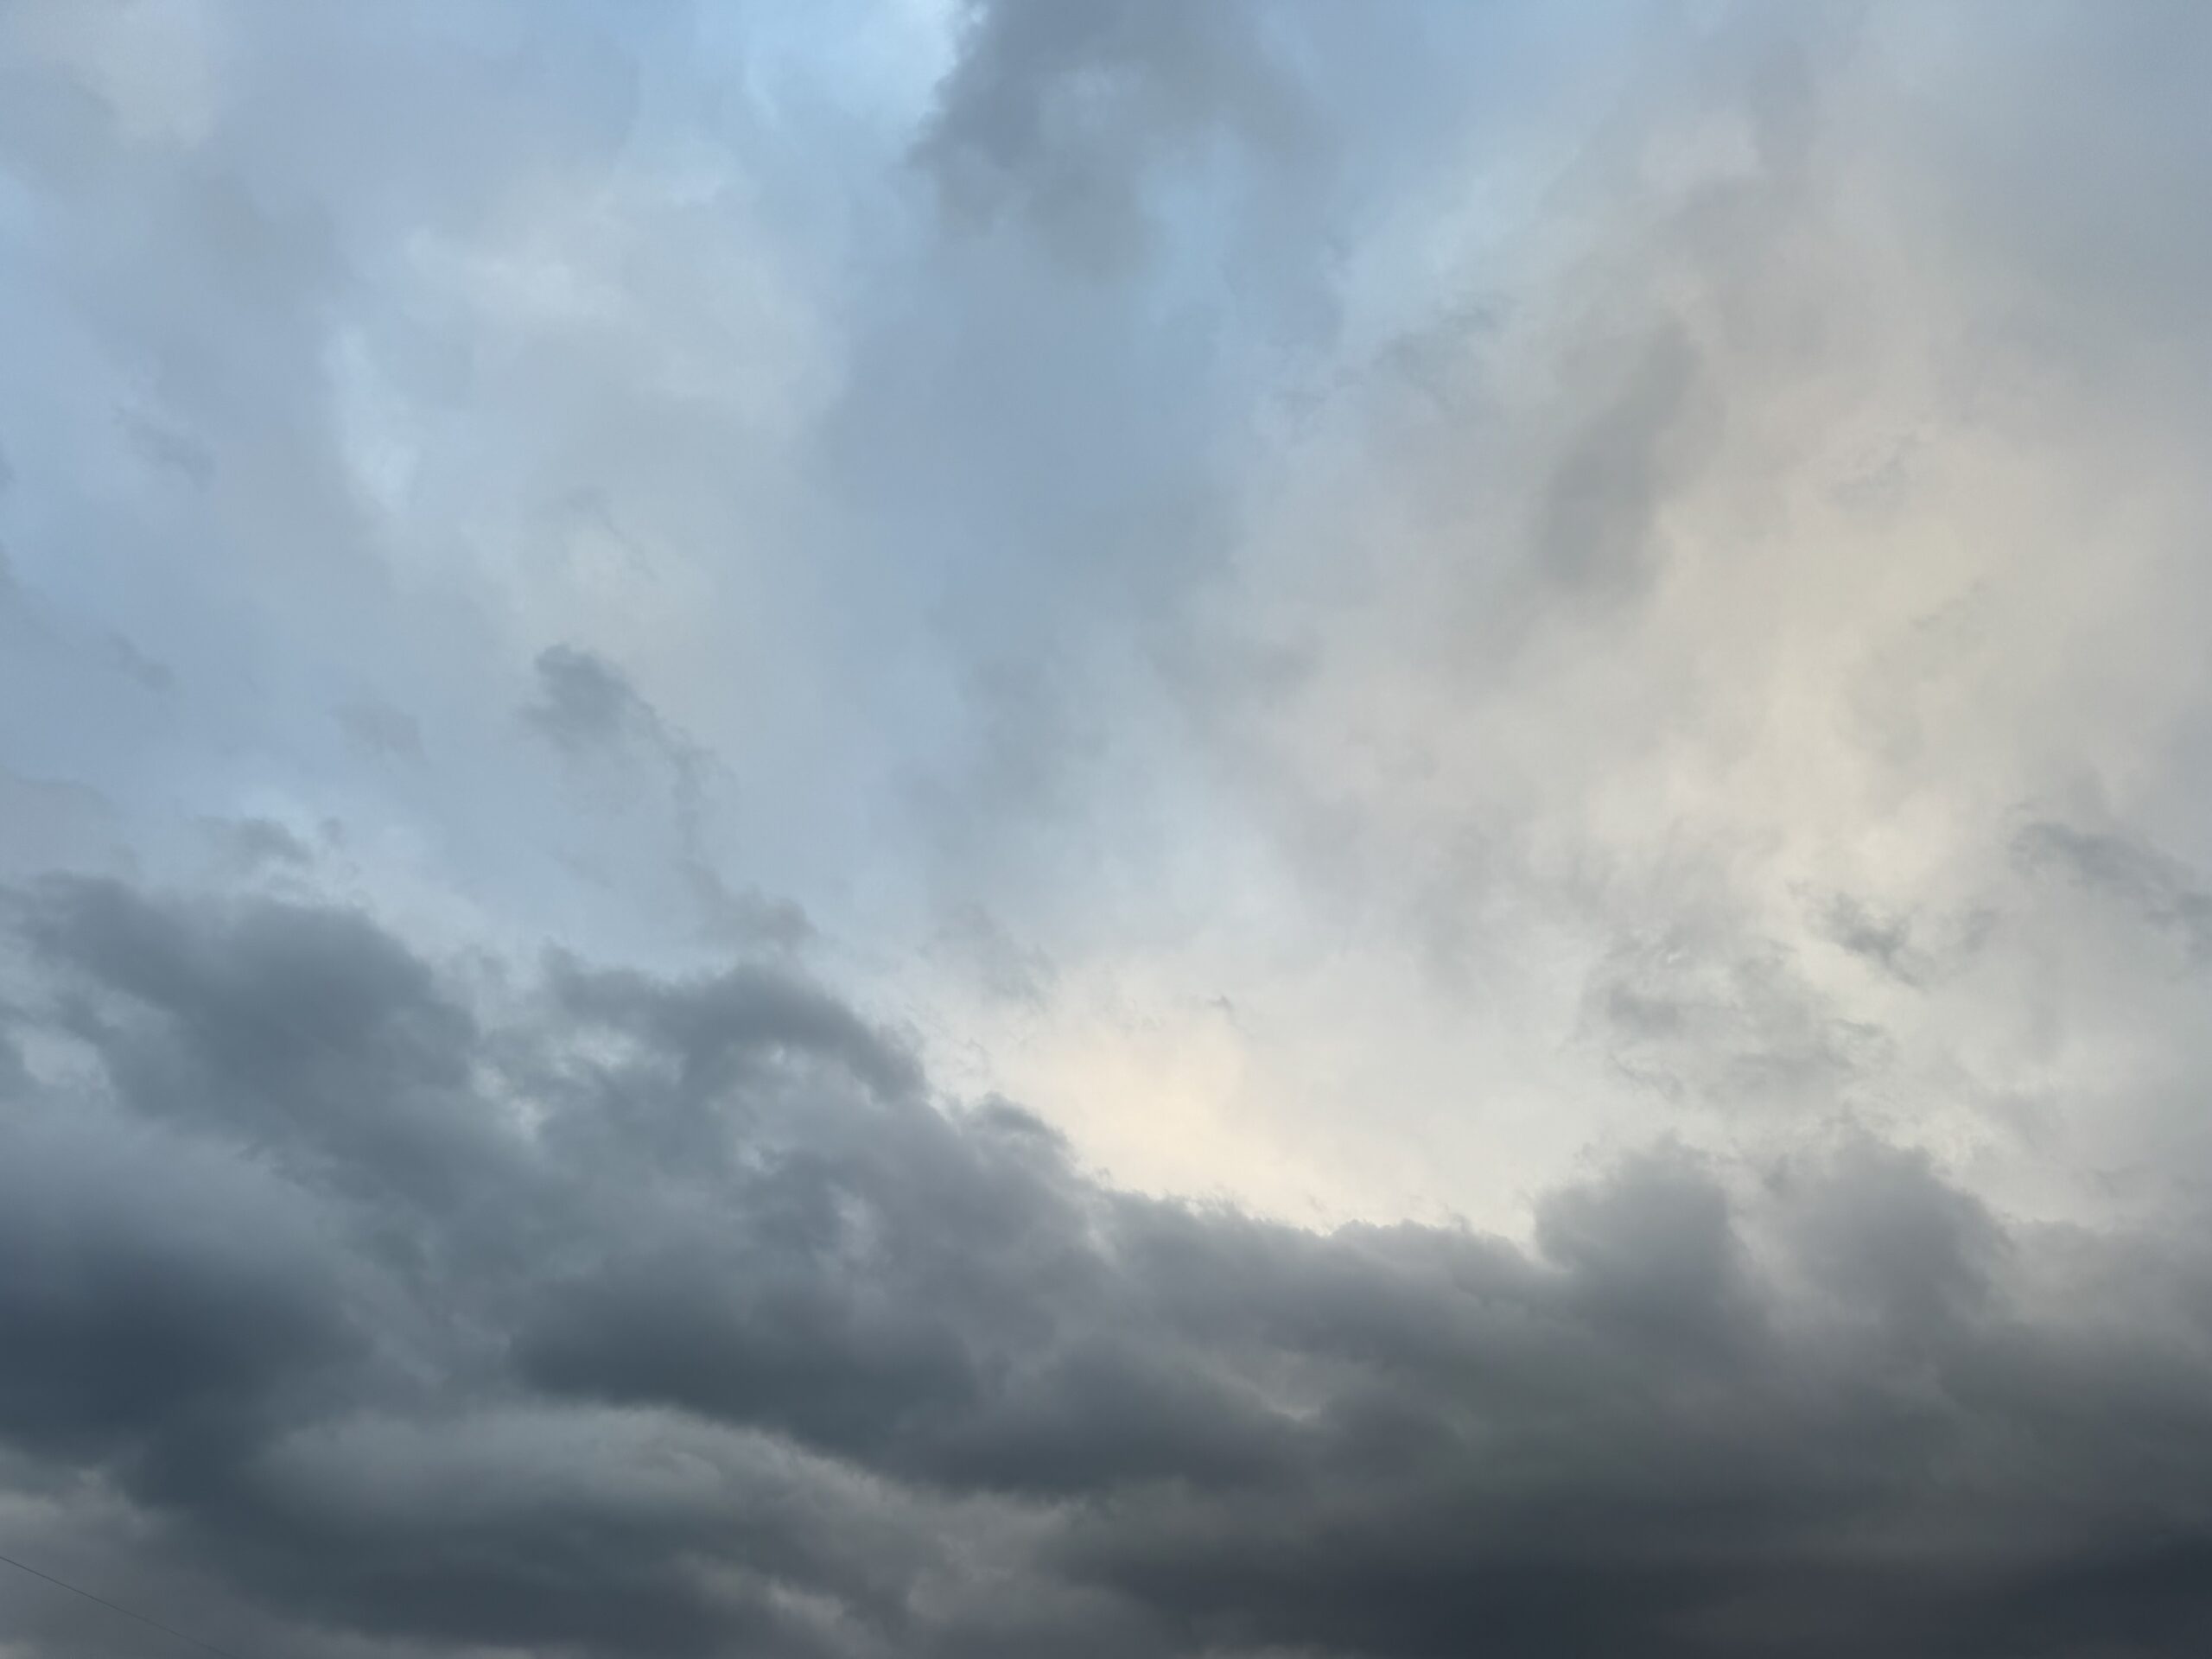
(142, 669)
(55, 825)
(1886, 941)
(253, 844)
(173, 452)
(1006, 967)
(747, 918)
(589, 711)
(380, 730)
(1596, 518)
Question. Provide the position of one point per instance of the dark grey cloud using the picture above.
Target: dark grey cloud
(1059, 112)
(584, 702)
(141, 1317)
(654, 1316)
(2159, 889)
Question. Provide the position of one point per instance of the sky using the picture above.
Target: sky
(1263, 830)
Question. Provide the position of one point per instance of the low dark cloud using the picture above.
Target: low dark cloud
(636, 1315)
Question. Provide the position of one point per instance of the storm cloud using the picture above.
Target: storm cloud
(677, 1316)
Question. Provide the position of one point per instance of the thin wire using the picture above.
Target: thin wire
(118, 1607)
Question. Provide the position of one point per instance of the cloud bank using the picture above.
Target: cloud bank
(598, 1311)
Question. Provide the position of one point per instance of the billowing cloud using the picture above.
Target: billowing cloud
(622, 1315)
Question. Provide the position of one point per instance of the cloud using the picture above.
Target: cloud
(588, 709)
(261, 844)
(142, 669)
(2158, 888)
(1061, 112)
(654, 1316)
(1597, 508)
(1562, 641)
(747, 918)
(584, 702)
(380, 730)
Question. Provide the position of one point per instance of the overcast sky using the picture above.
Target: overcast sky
(1126, 829)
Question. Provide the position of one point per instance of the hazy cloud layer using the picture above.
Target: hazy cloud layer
(1100, 826)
